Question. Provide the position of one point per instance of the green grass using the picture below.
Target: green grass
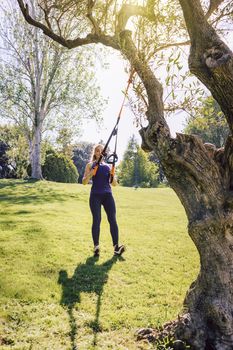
(55, 295)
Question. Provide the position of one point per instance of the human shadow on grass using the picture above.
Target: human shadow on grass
(87, 278)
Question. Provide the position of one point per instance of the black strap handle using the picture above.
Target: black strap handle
(112, 158)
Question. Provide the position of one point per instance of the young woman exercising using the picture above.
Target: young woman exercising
(101, 194)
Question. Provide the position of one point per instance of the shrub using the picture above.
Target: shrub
(59, 168)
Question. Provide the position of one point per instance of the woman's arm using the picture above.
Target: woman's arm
(114, 181)
(89, 172)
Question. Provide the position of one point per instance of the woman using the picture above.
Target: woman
(101, 194)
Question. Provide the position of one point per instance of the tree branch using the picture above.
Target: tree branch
(167, 46)
(213, 6)
(55, 66)
(128, 11)
(90, 6)
(89, 39)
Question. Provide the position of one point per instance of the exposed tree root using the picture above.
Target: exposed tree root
(184, 333)
(180, 332)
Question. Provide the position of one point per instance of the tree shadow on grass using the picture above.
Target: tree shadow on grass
(26, 192)
(87, 278)
(12, 183)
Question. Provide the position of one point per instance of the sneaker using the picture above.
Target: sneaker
(96, 250)
(118, 250)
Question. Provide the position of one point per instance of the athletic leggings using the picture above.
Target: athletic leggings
(107, 200)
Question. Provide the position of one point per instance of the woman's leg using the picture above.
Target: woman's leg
(110, 209)
(95, 206)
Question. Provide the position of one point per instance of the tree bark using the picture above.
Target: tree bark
(36, 153)
(210, 58)
(201, 176)
(209, 301)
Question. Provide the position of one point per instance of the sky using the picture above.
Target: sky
(113, 81)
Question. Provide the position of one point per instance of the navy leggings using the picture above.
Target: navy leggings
(107, 200)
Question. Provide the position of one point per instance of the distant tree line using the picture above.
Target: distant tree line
(136, 168)
(14, 160)
(65, 161)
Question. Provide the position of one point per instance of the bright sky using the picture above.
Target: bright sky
(113, 82)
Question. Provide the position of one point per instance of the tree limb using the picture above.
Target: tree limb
(213, 6)
(89, 39)
(128, 11)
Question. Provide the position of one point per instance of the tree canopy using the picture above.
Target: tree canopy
(39, 88)
(209, 123)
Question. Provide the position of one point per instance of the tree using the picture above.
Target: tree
(57, 167)
(64, 141)
(201, 177)
(209, 123)
(81, 156)
(6, 169)
(154, 158)
(126, 171)
(136, 169)
(39, 87)
(16, 150)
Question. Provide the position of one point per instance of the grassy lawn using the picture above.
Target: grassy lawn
(55, 295)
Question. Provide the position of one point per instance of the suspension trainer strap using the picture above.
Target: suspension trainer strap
(114, 133)
(112, 172)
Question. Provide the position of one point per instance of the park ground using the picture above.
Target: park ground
(55, 296)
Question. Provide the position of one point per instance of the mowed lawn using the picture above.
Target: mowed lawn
(55, 295)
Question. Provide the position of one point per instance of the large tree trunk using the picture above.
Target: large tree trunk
(195, 173)
(205, 185)
(36, 153)
(39, 112)
(209, 301)
(201, 176)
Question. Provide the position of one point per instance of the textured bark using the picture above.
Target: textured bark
(210, 59)
(35, 154)
(210, 298)
(200, 174)
(38, 114)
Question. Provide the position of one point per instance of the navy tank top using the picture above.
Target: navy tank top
(100, 182)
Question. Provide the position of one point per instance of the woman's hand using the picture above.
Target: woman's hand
(114, 181)
(94, 164)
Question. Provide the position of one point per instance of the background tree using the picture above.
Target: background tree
(161, 177)
(64, 141)
(201, 177)
(209, 123)
(127, 172)
(57, 167)
(39, 86)
(81, 156)
(6, 169)
(136, 169)
(16, 150)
